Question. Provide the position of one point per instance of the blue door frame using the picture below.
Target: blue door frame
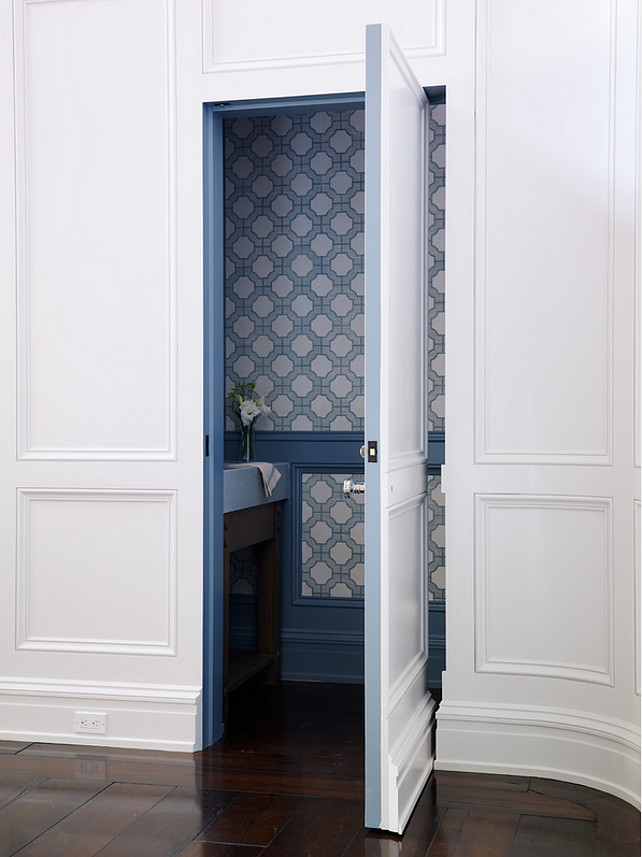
(214, 381)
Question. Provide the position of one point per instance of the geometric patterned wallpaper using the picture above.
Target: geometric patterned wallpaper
(294, 314)
(294, 256)
(436, 239)
(332, 538)
(436, 319)
(436, 540)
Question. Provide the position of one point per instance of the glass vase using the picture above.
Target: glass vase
(247, 442)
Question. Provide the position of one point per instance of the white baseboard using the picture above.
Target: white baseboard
(151, 717)
(602, 753)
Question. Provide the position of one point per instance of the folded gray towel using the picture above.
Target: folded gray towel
(269, 474)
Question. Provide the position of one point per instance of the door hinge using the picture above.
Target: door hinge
(207, 446)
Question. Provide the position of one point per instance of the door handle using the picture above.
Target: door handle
(351, 488)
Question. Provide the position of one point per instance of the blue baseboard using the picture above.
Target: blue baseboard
(327, 655)
(322, 656)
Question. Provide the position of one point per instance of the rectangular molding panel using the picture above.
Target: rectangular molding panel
(544, 587)
(107, 559)
(96, 238)
(234, 35)
(544, 234)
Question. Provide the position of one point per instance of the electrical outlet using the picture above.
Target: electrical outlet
(90, 721)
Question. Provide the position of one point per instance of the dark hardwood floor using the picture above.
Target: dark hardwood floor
(286, 780)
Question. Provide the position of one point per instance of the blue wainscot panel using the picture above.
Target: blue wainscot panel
(322, 635)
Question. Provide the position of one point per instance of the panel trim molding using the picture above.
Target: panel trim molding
(25, 640)
(211, 65)
(26, 450)
(484, 662)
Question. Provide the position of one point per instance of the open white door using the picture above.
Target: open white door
(399, 708)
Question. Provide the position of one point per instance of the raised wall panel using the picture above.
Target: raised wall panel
(95, 149)
(407, 652)
(107, 561)
(283, 33)
(545, 144)
(543, 586)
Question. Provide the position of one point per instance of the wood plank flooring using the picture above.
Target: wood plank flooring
(286, 781)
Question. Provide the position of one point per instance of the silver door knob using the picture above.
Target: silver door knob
(351, 488)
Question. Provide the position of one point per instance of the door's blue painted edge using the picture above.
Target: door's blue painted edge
(373, 273)
(213, 345)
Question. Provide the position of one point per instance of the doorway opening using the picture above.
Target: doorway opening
(284, 308)
(283, 284)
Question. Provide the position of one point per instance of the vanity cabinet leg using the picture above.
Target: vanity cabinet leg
(269, 625)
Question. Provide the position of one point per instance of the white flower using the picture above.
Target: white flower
(249, 411)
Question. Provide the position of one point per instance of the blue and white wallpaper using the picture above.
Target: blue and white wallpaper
(332, 538)
(436, 267)
(294, 256)
(294, 314)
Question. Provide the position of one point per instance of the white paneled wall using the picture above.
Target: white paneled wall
(101, 497)
(284, 48)
(539, 403)
(101, 359)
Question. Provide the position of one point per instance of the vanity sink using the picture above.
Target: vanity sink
(243, 485)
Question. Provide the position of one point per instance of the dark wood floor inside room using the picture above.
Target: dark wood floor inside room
(286, 780)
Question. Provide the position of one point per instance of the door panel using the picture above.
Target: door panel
(399, 709)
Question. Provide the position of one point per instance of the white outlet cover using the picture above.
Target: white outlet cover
(90, 721)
